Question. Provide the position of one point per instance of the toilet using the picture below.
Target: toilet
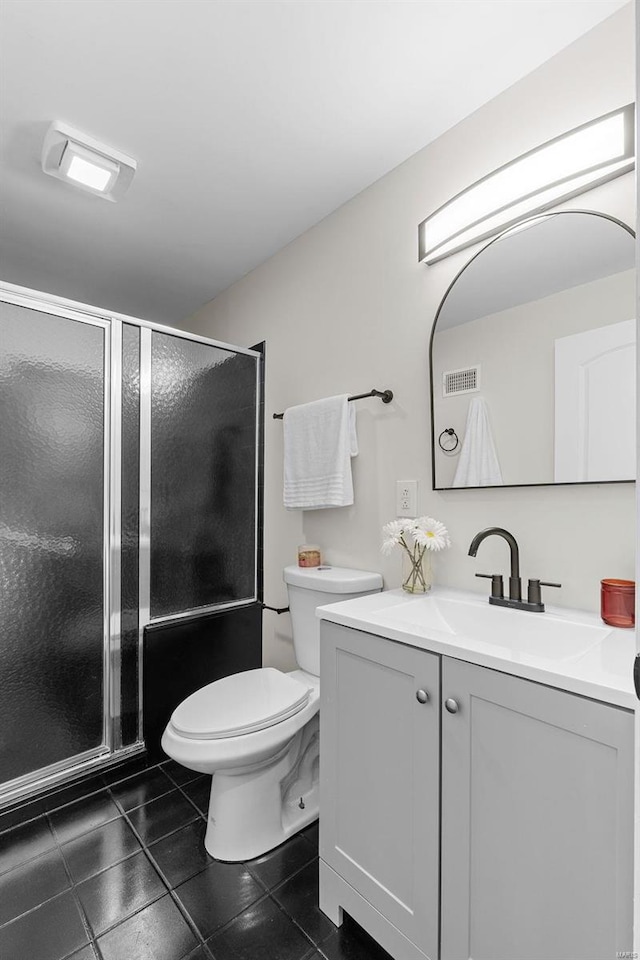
(257, 731)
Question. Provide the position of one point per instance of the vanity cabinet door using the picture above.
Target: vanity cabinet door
(537, 823)
(379, 776)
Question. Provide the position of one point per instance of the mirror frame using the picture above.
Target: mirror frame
(538, 216)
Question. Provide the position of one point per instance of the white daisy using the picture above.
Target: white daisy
(392, 532)
(408, 526)
(431, 533)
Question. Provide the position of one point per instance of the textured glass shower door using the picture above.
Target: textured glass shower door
(54, 627)
(128, 497)
(202, 475)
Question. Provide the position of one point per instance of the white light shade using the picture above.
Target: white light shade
(577, 161)
(82, 161)
(87, 167)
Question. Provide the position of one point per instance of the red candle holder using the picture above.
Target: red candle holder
(618, 602)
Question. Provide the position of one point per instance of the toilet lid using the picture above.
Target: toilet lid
(240, 704)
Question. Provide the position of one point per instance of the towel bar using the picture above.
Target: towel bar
(385, 395)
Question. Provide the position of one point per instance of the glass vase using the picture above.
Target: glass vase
(417, 572)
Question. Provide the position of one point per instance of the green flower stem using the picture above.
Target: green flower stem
(415, 582)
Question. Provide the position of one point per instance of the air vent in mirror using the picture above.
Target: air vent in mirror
(466, 380)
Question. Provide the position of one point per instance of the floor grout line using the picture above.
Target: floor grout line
(295, 923)
(55, 896)
(42, 903)
(146, 802)
(295, 873)
(175, 899)
(23, 863)
(145, 843)
(102, 870)
(185, 783)
(272, 889)
(264, 896)
(202, 815)
(98, 936)
(21, 823)
(78, 902)
(83, 833)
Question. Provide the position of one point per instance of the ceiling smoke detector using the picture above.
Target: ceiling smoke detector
(82, 161)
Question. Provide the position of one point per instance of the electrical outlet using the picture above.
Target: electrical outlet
(406, 498)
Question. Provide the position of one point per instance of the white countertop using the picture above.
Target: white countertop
(600, 668)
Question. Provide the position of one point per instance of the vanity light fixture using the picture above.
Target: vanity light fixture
(562, 168)
(88, 164)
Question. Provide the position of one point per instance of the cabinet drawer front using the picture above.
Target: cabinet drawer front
(379, 796)
(537, 821)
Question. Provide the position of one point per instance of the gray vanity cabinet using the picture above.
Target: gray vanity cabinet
(528, 853)
(380, 790)
(537, 822)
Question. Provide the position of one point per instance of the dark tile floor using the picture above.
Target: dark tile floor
(122, 874)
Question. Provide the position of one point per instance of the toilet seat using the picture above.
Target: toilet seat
(240, 704)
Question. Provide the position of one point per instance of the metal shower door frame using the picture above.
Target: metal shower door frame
(55, 773)
(144, 572)
(112, 750)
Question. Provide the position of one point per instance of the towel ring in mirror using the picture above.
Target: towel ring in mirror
(451, 443)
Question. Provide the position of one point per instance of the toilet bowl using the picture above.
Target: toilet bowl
(256, 732)
(248, 813)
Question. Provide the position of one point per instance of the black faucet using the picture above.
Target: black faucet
(534, 598)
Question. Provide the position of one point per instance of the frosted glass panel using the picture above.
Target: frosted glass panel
(51, 539)
(203, 475)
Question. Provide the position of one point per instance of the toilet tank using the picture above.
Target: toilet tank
(311, 587)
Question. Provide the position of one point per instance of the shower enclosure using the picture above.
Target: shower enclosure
(128, 497)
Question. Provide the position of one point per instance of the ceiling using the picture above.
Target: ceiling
(250, 122)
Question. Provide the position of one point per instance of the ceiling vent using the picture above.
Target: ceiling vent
(79, 159)
(466, 380)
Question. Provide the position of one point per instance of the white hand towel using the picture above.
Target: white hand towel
(319, 441)
(478, 464)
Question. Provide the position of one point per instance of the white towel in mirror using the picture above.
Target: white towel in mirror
(478, 465)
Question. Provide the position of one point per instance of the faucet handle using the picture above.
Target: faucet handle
(497, 585)
(534, 594)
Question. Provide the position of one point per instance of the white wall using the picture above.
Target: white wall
(346, 307)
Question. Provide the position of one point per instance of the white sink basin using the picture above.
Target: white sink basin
(568, 649)
(516, 632)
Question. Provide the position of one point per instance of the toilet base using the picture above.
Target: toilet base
(252, 810)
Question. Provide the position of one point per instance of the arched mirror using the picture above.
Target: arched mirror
(533, 358)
